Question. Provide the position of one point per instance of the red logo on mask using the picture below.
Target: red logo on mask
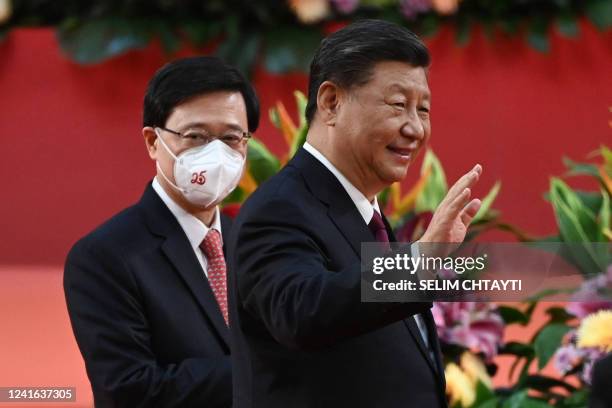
(198, 178)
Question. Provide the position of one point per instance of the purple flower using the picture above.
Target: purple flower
(570, 357)
(567, 357)
(411, 8)
(345, 6)
(589, 298)
(474, 325)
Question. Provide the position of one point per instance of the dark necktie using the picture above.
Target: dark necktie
(378, 228)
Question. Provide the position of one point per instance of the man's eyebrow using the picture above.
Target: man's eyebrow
(401, 88)
(205, 125)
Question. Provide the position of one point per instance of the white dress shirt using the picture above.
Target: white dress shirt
(194, 229)
(365, 208)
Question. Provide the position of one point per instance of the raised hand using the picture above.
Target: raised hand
(454, 214)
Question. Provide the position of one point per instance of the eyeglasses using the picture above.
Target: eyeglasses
(200, 137)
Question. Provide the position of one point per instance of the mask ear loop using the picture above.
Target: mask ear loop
(177, 188)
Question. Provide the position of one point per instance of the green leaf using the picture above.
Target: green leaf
(578, 399)
(383, 197)
(577, 224)
(567, 26)
(604, 215)
(548, 341)
(93, 41)
(580, 168)
(537, 35)
(483, 394)
(290, 49)
(607, 156)
(492, 403)
(487, 202)
(262, 164)
(169, 40)
(299, 140)
(463, 31)
(302, 131)
(301, 101)
(236, 196)
(435, 188)
(240, 48)
(522, 400)
(558, 315)
(512, 315)
(544, 383)
(274, 118)
(430, 24)
(517, 349)
(600, 13)
(201, 32)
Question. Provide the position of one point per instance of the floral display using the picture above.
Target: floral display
(282, 35)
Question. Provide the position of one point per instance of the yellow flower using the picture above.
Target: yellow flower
(461, 380)
(5, 10)
(459, 386)
(596, 331)
(310, 11)
(475, 369)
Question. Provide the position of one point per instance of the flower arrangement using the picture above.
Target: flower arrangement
(283, 35)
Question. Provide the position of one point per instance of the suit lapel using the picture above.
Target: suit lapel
(177, 249)
(180, 254)
(341, 209)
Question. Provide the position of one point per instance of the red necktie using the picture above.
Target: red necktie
(217, 271)
(378, 228)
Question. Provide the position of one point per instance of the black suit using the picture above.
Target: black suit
(301, 337)
(601, 395)
(144, 315)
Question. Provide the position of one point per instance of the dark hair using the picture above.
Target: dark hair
(347, 56)
(183, 79)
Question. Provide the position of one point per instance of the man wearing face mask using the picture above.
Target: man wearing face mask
(146, 291)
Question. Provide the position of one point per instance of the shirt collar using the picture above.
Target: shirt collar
(195, 229)
(364, 206)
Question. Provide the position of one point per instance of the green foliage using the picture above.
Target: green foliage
(548, 341)
(91, 32)
(512, 315)
(262, 163)
(487, 201)
(435, 187)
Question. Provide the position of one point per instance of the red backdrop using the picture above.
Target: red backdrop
(72, 154)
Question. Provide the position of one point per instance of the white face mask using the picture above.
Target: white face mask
(205, 175)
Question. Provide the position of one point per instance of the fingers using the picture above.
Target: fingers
(469, 211)
(466, 181)
(458, 204)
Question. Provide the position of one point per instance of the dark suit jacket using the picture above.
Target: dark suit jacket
(601, 391)
(144, 315)
(301, 337)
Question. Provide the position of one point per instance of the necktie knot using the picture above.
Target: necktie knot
(212, 246)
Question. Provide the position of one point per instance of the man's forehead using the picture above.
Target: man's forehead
(400, 76)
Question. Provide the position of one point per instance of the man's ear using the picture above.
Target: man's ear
(150, 139)
(329, 97)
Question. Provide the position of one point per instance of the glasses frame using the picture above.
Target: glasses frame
(245, 136)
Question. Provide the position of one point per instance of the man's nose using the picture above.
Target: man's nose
(413, 127)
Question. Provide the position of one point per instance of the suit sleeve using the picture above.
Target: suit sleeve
(112, 332)
(283, 281)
